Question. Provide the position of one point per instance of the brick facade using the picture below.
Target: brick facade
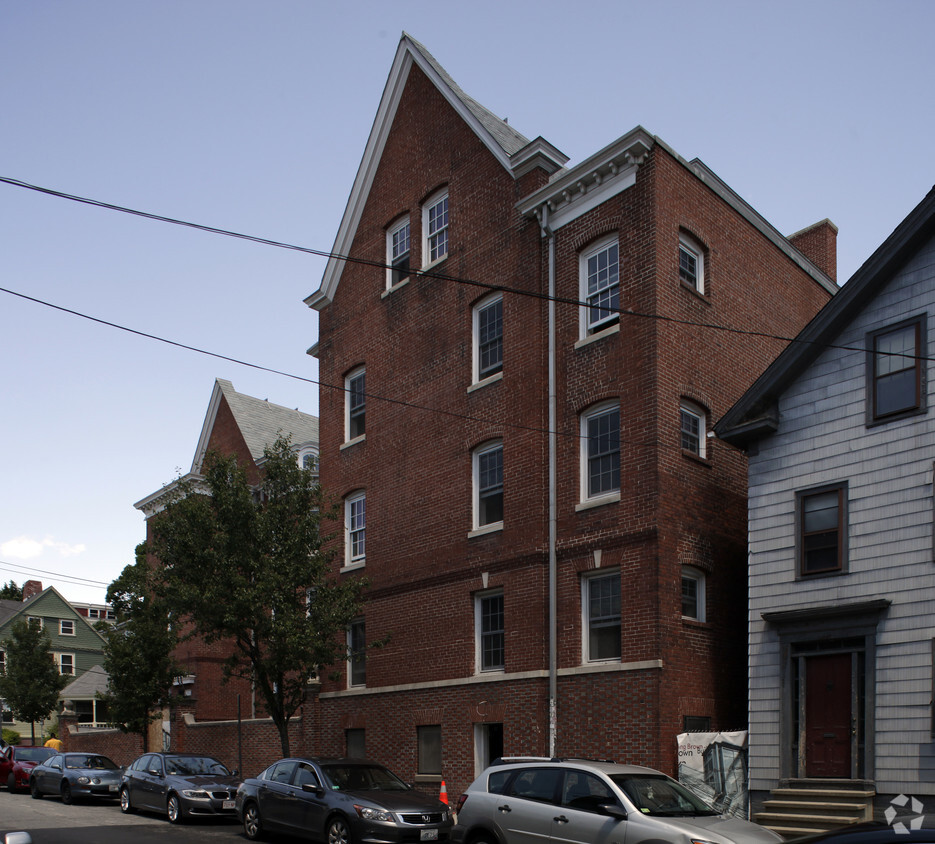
(424, 420)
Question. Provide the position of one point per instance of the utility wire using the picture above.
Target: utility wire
(14, 568)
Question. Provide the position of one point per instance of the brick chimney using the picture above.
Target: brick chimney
(819, 243)
(30, 588)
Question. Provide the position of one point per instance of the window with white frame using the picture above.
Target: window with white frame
(355, 523)
(397, 252)
(355, 404)
(600, 451)
(600, 600)
(308, 460)
(692, 428)
(34, 621)
(691, 263)
(600, 285)
(357, 653)
(488, 337)
(488, 485)
(66, 627)
(490, 638)
(2, 662)
(693, 594)
(435, 228)
(66, 663)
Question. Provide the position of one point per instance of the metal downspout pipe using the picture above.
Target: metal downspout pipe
(553, 475)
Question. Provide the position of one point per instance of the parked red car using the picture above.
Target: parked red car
(17, 761)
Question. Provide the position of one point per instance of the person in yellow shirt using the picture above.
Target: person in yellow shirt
(54, 742)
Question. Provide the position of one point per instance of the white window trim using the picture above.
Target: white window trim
(478, 646)
(61, 627)
(475, 465)
(58, 661)
(587, 500)
(426, 207)
(696, 410)
(30, 618)
(401, 223)
(586, 617)
(351, 376)
(585, 329)
(483, 304)
(693, 248)
(691, 573)
(349, 559)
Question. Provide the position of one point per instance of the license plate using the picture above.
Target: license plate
(428, 835)
(229, 804)
(112, 788)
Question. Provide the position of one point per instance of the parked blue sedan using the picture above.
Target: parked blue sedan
(76, 775)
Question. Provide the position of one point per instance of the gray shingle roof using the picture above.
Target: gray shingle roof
(93, 680)
(260, 421)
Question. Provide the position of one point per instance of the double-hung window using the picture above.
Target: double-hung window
(435, 228)
(397, 252)
(355, 518)
(822, 530)
(600, 451)
(490, 631)
(488, 485)
(693, 594)
(601, 603)
(691, 263)
(355, 402)
(600, 285)
(488, 337)
(692, 428)
(66, 627)
(66, 663)
(896, 371)
(357, 653)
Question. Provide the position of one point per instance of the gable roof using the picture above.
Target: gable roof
(88, 685)
(514, 151)
(35, 605)
(755, 414)
(259, 421)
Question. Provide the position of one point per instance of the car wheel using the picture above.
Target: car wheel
(11, 783)
(125, 806)
(338, 831)
(34, 790)
(173, 809)
(67, 798)
(252, 827)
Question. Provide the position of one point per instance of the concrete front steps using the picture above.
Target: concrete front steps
(806, 807)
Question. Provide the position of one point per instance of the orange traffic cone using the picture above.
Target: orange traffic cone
(443, 795)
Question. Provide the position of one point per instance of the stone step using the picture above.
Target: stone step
(811, 793)
(771, 818)
(826, 807)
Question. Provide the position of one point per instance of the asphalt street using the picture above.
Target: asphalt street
(48, 821)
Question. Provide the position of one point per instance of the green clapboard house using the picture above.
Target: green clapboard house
(76, 645)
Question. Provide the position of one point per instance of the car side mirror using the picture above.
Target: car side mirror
(311, 788)
(612, 810)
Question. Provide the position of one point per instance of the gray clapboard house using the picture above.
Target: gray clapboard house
(840, 435)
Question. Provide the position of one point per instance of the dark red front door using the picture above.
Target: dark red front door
(828, 716)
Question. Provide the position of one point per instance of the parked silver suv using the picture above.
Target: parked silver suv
(578, 801)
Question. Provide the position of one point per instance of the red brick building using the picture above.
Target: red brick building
(242, 426)
(515, 412)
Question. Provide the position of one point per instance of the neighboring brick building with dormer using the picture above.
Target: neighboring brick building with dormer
(514, 411)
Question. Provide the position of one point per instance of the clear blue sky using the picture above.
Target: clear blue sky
(252, 117)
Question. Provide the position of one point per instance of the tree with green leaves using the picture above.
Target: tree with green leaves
(138, 651)
(32, 682)
(11, 592)
(251, 566)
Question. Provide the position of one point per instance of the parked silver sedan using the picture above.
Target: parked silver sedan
(72, 776)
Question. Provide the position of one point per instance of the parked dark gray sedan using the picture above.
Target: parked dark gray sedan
(339, 801)
(76, 775)
(179, 785)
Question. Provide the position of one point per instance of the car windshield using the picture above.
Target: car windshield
(90, 761)
(357, 777)
(33, 754)
(193, 766)
(661, 796)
